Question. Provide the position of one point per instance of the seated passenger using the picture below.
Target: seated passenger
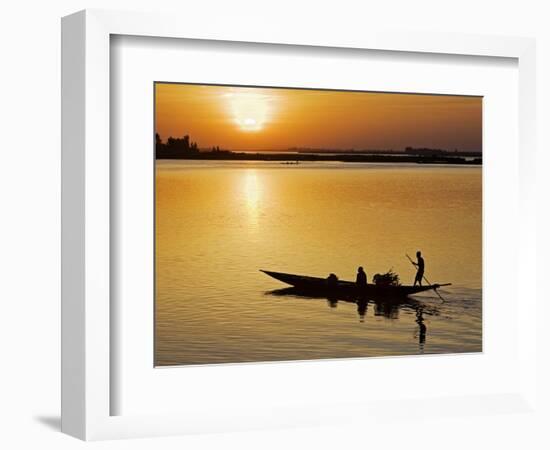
(361, 280)
(332, 280)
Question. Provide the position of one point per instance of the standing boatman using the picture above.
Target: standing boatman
(420, 270)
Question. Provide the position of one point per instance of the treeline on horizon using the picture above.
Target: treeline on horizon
(175, 148)
(184, 148)
(407, 150)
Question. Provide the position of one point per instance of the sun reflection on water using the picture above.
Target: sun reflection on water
(252, 195)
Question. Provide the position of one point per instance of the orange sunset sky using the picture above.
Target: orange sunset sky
(243, 118)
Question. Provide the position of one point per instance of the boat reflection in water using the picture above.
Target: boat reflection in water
(387, 307)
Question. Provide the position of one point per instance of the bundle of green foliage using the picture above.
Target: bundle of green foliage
(390, 278)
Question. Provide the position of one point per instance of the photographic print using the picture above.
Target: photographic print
(301, 224)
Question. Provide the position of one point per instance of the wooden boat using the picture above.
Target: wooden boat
(324, 287)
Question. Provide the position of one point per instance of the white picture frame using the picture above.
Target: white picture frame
(86, 220)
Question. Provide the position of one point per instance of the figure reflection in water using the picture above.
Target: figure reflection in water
(362, 305)
(421, 329)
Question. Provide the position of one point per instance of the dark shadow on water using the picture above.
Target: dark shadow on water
(383, 306)
(387, 307)
(51, 422)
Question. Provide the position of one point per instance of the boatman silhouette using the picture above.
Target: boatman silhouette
(420, 271)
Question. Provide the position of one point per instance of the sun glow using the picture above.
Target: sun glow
(249, 118)
(250, 110)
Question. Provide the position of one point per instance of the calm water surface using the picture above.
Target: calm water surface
(218, 223)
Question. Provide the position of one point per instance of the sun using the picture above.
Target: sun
(249, 124)
(250, 111)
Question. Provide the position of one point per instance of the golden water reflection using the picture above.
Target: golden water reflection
(252, 195)
(218, 223)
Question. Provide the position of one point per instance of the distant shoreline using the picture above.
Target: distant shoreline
(224, 155)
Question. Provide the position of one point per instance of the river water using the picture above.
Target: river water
(219, 222)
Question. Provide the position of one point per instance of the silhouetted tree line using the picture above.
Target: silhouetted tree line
(183, 148)
(437, 151)
(175, 147)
